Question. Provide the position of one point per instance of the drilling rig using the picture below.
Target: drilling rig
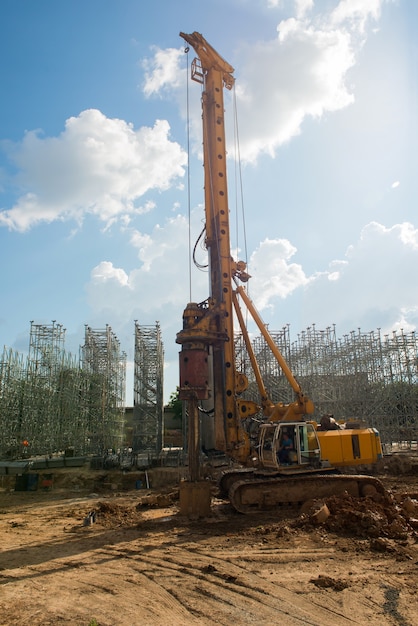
(266, 474)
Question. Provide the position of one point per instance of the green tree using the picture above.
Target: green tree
(176, 405)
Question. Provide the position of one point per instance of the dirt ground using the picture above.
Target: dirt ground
(136, 560)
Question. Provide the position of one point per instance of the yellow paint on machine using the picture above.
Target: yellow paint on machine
(360, 446)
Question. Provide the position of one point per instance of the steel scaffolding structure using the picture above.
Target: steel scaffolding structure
(148, 389)
(44, 425)
(12, 395)
(53, 401)
(36, 417)
(363, 376)
(104, 365)
(276, 384)
(48, 402)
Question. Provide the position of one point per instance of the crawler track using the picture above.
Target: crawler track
(247, 496)
(229, 477)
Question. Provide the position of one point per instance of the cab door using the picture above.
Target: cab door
(307, 444)
(268, 445)
(306, 448)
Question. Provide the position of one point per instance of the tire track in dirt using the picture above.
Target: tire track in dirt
(155, 568)
(231, 590)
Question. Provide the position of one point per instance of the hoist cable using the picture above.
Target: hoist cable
(189, 212)
(241, 194)
(192, 254)
(236, 132)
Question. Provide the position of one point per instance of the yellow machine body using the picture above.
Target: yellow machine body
(350, 447)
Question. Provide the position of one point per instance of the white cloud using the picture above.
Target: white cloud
(366, 288)
(303, 6)
(403, 322)
(158, 284)
(105, 272)
(369, 289)
(301, 73)
(163, 70)
(363, 290)
(356, 13)
(389, 239)
(96, 165)
(273, 274)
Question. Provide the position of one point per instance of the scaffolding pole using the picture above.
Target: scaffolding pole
(148, 389)
(104, 368)
(360, 375)
(50, 404)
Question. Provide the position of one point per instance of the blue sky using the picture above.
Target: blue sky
(93, 156)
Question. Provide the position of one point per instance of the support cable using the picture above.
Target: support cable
(238, 179)
(186, 50)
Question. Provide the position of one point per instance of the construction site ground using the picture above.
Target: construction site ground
(100, 548)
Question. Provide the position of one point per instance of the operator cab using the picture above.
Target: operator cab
(289, 444)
